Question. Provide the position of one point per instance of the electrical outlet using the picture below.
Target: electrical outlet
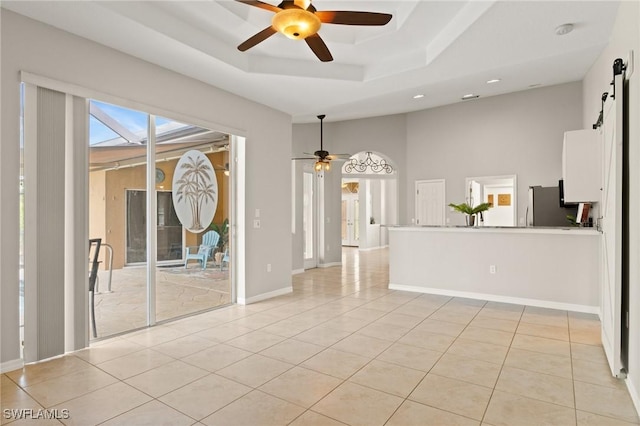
(256, 223)
(492, 269)
(268, 267)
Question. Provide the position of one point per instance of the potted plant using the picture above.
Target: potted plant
(470, 211)
(223, 230)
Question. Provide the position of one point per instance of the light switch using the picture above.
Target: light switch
(256, 223)
(257, 212)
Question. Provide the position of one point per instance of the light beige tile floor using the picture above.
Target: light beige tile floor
(341, 349)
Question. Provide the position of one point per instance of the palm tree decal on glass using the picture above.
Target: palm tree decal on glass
(195, 191)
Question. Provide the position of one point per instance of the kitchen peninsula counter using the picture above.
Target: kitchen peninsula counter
(555, 267)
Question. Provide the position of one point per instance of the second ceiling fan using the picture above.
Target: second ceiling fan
(299, 20)
(323, 158)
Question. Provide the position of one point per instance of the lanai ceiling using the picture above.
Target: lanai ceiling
(440, 49)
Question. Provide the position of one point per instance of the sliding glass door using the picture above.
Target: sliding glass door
(134, 159)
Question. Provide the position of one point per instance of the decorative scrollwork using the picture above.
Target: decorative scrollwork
(360, 166)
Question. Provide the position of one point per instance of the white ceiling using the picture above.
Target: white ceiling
(441, 49)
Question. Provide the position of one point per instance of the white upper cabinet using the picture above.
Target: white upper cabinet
(581, 166)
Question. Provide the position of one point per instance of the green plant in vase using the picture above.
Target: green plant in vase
(470, 211)
(223, 230)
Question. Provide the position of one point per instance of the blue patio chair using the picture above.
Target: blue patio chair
(204, 251)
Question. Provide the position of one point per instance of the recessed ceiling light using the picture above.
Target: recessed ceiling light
(564, 29)
(418, 96)
(493, 80)
(469, 96)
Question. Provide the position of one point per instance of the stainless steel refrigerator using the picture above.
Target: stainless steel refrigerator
(544, 207)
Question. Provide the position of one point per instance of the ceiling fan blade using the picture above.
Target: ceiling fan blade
(319, 48)
(261, 36)
(338, 156)
(304, 158)
(261, 5)
(353, 18)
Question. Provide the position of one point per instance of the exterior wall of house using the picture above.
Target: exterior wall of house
(40, 49)
(108, 209)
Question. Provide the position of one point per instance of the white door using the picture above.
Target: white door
(611, 225)
(430, 202)
(309, 220)
(350, 220)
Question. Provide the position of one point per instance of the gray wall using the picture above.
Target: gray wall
(625, 37)
(37, 48)
(519, 133)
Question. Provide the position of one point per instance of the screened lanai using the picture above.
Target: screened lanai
(119, 206)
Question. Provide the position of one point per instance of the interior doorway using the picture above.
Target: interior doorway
(309, 215)
(369, 200)
(430, 202)
(350, 226)
(499, 191)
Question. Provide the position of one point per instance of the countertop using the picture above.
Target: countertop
(515, 229)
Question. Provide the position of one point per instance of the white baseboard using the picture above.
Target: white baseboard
(634, 392)
(265, 296)
(297, 271)
(14, 364)
(497, 298)
(329, 265)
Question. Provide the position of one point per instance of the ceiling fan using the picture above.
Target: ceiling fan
(322, 157)
(224, 169)
(299, 20)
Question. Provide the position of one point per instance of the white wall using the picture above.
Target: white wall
(498, 215)
(625, 37)
(533, 266)
(519, 133)
(40, 49)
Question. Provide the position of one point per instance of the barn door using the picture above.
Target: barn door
(611, 226)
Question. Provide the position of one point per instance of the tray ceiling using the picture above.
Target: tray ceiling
(439, 49)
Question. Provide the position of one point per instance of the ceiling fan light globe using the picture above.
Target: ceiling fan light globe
(327, 166)
(318, 166)
(297, 24)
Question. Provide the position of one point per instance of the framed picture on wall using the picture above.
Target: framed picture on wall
(504, 199)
